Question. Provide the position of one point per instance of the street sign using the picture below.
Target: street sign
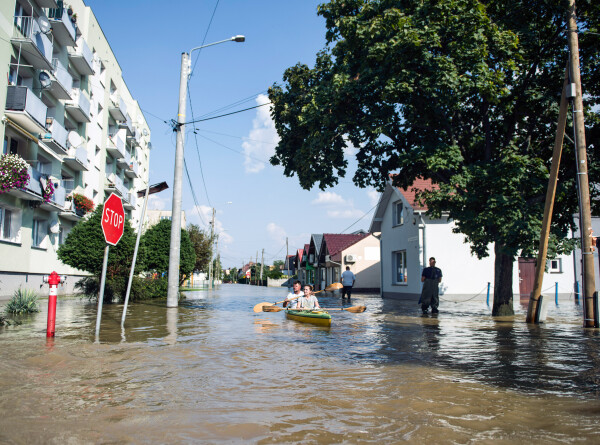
(113, 219)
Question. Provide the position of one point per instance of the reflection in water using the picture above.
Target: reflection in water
(213, 371)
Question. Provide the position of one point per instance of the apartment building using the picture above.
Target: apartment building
(67, 112)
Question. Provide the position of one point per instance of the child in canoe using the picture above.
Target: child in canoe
(308, 301)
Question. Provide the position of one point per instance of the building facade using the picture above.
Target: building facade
(67, 112)
(409, 238)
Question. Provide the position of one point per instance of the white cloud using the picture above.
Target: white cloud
(192, 217)
(373, 195)
(262, 139)
(328, 198)
(345, 213)
(276, 233)
(155, 202)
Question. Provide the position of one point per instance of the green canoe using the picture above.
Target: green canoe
(320, 318)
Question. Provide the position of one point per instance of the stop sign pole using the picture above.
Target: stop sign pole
(113, 223)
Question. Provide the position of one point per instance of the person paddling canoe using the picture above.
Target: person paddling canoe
(308, 301)
(292, 297)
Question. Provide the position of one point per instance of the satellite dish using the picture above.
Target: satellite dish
(74, 139)
(45, 79)
(54, 227)
(44, 24)
(145, 132)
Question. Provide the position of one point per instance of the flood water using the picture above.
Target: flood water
(213, 371)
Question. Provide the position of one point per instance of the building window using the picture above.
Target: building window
(6, 217)
(336, 275)
(555, 266)
(38, 232)
(165, 217)
(398, 213)
(399, 267)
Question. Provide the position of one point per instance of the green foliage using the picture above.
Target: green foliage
(157, 242)
(84, 248)
(24, 301)
(465, 93)
(202, 246)
(116, 288)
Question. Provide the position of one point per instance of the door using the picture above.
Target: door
(526, 277)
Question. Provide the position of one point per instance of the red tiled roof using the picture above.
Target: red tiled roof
(299, 254)
(419, 184)
(337, 242)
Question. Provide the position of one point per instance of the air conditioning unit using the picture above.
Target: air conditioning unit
(350, 258)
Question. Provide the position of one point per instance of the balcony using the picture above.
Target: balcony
(63, 28)
(62, 82)
(133, 169)
(114, 184)
(47, 3)
(81, 58)
(128, 125)
(77, 159)
(33, 190)
(58, 198)
(115, 146)
(79, 106)
(56, 136)
(129, 201)
(70, 212)
(26, 109)
(117, 108)
(124, 161)
(35, 46)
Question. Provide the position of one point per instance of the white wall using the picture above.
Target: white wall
(367, 268)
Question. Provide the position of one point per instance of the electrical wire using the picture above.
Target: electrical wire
(234, 150)
(198, 149)
(204, 39)
(197, 206)
(372, 208)
(226, 114)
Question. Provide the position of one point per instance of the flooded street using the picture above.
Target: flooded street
(213, 371)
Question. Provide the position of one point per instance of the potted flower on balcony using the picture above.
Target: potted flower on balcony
(13, 173)
(47, 190)
(83, 204)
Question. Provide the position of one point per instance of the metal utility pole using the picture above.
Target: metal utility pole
(287, 252)
(533, 308)
(179, 128)
(174, 252)
(212, 234)
(255, 271)
(262, 261)
(590, 315)
(217, 258)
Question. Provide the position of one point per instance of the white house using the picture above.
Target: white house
(409, 237)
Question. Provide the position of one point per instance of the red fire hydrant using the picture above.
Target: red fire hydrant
(53, 281)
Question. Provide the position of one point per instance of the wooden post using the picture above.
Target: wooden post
(549, 206)
(585, 220)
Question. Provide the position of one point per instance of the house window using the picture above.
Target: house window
(399, 267)
(6, 219)
(398, 213)
(336, 275)
(555, 266)
(38, 230)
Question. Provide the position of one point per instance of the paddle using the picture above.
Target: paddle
(353, 309)
(259, 306)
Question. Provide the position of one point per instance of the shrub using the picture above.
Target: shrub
(83, 204)
(24, 301)
(141, 288)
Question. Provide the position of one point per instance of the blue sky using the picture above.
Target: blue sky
(257, 207)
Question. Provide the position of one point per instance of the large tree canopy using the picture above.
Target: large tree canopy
(465, 92)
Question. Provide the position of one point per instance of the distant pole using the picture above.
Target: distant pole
(101, 295)
(585, 222)
(556, 293)
(540, 266)
(255, 271)
(210, 264)
(262, 261)
(217, 261)
(287, 252)
(488, 294)
(135, 252)
(174, 252)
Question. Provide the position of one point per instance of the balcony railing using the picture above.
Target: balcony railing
(36, 47)
(64, 79)
(117, 107)
(82, 58)
(133, 169)
(56, 137)
(63, 27)
(79, 106)
(22, 99)
(59, 195)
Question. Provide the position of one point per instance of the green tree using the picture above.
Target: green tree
(157, 243)
(84, 246)
(202, 246)
(464, 92)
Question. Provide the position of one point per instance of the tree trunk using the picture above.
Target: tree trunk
(503, 278)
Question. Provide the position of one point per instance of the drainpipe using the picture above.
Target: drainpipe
(422, 228)
(380, 264)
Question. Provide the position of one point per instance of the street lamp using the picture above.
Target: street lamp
(173, 280)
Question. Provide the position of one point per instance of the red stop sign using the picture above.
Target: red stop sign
(113, 219)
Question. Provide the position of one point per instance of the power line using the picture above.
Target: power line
(204, 39)
(198, 149)
(372, 208)
(234, 150)
(226, 114)
(193, 193)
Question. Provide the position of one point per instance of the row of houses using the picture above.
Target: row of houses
(390, 257)
(66, 111)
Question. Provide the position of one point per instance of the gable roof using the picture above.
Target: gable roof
(408, 194)
(317, 238)
(335, 243)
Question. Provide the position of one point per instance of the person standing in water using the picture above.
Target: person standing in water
(430, 295)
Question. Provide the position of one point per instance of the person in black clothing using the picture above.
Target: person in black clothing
(430, 296)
